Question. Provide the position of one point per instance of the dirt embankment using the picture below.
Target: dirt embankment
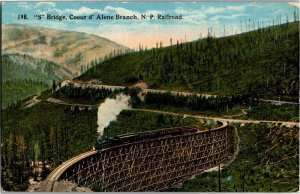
(61, 186)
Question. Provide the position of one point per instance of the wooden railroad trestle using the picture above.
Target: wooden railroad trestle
(152, 165)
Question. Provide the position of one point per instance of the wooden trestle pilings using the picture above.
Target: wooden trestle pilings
(150, 165)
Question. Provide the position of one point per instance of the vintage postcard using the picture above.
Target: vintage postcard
(150, 96)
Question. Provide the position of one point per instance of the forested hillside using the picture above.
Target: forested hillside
(35, 56)
(23, 76)
(21, 66)
(263, 62)
(45, 132)
(268, 164)
(15, 90)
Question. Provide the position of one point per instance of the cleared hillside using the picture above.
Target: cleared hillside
(262, 62)
(73, 51)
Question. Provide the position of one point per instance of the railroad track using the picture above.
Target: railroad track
(287, 123)
(53, 177)
(56, 173)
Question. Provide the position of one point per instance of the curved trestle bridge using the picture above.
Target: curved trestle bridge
(149, 164)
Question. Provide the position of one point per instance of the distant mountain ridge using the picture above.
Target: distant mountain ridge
(32, 57)
(71, 50)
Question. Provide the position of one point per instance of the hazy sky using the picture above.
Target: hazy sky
(197, 17)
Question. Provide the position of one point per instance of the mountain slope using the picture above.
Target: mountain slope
(23, 76)
(23, 67)
(262, 62)
(35, 56)
(72, 50)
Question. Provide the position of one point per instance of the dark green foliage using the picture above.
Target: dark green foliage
(135, 100)
(15, 90)
(96, 188)
(23, 76)
(46, 132)
(268, 111)
(262, 62)
(84, 95)
(218, 104)
(137, 121)
(258, 167)
(10, 179)
(24, 67)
